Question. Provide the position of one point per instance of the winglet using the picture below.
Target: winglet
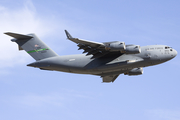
(68, 35)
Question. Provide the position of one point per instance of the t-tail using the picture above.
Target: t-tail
(32, 45)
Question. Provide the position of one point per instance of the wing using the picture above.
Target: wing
(110, 78)
(91, 48)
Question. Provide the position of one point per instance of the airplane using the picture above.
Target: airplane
(107, 60)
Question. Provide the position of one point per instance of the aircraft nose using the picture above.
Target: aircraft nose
(175, 52)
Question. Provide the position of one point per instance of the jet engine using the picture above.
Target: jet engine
(132, 49)
(135, 71)
(115, 46)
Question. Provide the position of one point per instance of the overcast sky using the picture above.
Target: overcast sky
(28, 93)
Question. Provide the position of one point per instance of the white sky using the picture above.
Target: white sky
(27, 93)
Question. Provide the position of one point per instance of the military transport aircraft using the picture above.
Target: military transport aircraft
(107, 60)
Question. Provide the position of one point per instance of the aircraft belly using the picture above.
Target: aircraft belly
(119, 69)
(85, 65)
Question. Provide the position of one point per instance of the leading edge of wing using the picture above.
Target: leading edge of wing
(84, 42)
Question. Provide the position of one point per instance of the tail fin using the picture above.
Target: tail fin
(32, 45)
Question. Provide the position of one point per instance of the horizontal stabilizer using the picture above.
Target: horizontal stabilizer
(18, 36)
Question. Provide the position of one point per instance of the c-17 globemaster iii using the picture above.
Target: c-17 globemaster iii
(107, 60)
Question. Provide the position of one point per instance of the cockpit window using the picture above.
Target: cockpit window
(167, 47)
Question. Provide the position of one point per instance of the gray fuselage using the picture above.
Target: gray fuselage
(117, 64)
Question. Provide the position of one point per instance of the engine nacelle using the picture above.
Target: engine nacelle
(115, 46)
(135, 71)
(132, 49)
